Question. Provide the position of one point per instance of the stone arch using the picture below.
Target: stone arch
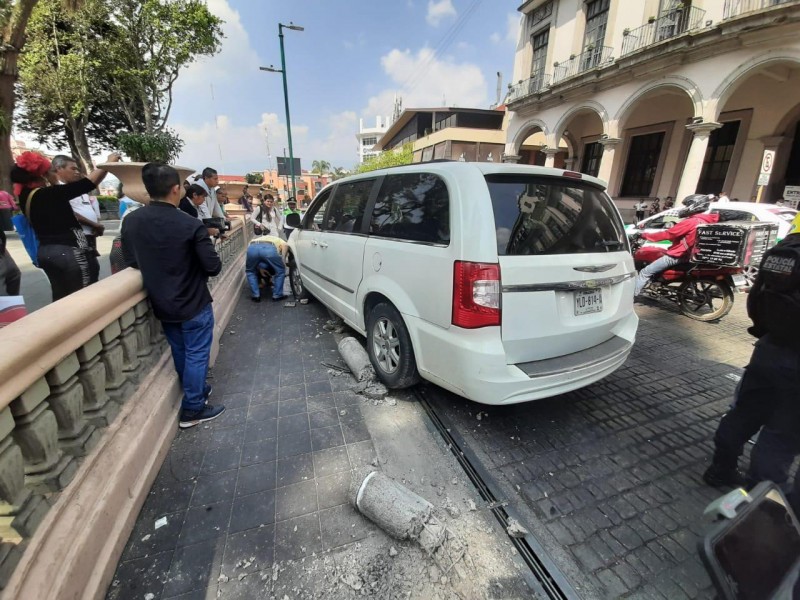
(588, 106)
(683, 83)
(731, 83)
(525, 130)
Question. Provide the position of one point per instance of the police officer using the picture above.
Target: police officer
(292, 204)
(767, 397)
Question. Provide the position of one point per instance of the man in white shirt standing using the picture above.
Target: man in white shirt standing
(209, 182)
(85, 207)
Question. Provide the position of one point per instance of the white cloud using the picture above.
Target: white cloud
(511, 33)
(439, 10)
(235, 57)
(236, 149)
(422, 80)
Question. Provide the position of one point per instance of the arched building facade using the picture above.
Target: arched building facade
(663, 98)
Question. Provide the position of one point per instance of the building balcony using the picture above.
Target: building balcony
(735, 8)
(670, 24)
(535, 85)
(585, 61)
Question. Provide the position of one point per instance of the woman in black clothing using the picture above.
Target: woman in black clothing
(64, 253)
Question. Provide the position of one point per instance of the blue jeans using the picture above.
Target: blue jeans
(260, 256)
(653, 269)
(191, 350)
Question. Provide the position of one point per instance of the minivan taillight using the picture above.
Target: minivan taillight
(476, 294)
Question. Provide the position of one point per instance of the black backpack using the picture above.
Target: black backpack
(775, 299)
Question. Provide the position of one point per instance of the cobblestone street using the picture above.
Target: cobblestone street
(608, 477)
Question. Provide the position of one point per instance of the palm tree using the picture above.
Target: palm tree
(320, 167)
(338, 173)
(14, 17)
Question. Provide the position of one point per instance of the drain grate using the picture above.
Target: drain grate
(546, 578)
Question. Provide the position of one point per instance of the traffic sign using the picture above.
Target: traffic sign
(763, 179)
(767, 162)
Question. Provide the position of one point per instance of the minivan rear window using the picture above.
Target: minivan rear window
(548, 215)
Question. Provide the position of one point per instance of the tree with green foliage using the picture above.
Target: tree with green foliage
(338, 173)
(320, 167)
(155, 40)
(254, 178)
(62, 71)
(14, 17)
(388, 158)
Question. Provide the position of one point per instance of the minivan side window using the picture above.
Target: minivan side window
(347, 207)
(412, 206)
(313, 219)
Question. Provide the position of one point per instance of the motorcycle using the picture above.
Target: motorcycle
(702, 292)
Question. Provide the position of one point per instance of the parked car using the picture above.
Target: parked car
(502, 283)
(737, 211)
(744, 211)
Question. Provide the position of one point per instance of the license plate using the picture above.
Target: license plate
(739, 281)
(588, 301)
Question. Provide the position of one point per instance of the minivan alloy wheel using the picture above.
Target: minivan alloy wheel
(389, 347)
(386, 345)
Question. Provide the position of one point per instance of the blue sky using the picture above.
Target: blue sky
(350, 61)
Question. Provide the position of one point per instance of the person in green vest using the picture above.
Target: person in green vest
(292, 204)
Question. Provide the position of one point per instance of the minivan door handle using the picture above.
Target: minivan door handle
(323, 245)
(313, 242)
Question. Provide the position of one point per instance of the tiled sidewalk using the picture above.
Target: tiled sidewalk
(264, 483)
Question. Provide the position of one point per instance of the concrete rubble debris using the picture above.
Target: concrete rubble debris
(515, 529)
(161, 522)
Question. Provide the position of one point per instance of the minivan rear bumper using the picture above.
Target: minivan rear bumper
(472, 363)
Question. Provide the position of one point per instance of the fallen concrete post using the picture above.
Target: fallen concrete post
(356, 358)
(397, 510)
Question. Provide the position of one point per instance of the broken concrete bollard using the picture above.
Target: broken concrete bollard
(397, 510)
(356, 358)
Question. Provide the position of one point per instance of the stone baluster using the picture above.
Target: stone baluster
(113, 358)
(130, 360)
(75, 434)
(97, 408)
(141, 326)
(47, 468)
(21, 510)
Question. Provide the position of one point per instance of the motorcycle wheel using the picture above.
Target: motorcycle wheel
(705, 299)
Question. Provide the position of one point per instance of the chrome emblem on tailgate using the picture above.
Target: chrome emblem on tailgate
(597, 269)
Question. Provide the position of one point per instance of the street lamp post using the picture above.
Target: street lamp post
(282, 71)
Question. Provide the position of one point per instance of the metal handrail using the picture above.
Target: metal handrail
(589, 59)
(734, 8)
(536, 84)
(672, 23)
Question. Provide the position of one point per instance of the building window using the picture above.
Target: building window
(721, 144)
(593, 39)
(640, 172)
(539, 42)
(592, 153)
(370, 141)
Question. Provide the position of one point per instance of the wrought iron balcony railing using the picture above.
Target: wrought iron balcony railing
(534, 85)
(734, 8)
(589, 59)
(670, 24)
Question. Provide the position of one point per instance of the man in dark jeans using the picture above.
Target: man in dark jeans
(176, 258)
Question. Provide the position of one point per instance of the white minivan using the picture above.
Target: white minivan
(502, 283)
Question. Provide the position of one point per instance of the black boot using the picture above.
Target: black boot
(718, 475)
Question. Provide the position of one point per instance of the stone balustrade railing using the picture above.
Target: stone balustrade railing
(67, 375)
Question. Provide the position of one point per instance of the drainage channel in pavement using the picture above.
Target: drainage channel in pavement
(546, 578)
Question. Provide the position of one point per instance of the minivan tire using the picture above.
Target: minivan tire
(389, 347)
(296, 283)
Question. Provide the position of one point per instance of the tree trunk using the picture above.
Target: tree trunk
(79, 144)
(11, 42)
